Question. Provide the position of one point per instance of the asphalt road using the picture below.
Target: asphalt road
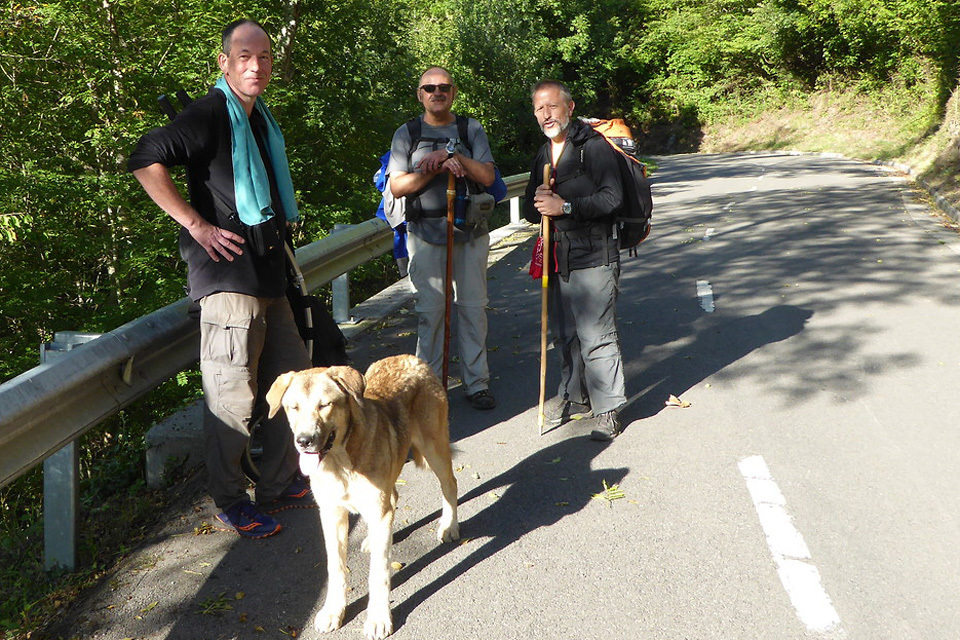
(805, 307)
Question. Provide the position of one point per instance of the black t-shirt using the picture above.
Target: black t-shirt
(199, 139)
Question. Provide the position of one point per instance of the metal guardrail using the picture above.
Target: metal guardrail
(56, 402)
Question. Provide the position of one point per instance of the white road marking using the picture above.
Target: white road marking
(705, 293)
(799, 577)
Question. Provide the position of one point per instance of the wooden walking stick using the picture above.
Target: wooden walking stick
(544, 281)
(448, 281)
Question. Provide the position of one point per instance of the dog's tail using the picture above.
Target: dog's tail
(417, 457)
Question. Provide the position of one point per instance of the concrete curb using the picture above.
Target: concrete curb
(948, 208)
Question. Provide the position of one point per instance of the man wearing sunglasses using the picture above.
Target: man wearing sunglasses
(424, 152)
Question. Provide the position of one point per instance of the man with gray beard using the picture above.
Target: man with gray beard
(581, 202)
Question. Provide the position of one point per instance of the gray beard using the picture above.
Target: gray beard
(563, 127)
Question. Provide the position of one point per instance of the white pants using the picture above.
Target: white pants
(428, 267)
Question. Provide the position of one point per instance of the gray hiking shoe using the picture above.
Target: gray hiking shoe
(607, 427)
(559, 410)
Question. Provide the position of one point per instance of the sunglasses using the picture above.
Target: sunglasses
(430, 88)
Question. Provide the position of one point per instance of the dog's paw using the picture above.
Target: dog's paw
(448, 533)
(327, 621)
(378, 626)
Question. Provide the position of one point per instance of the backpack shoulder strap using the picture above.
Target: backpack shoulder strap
(415, 130)
(463, 124)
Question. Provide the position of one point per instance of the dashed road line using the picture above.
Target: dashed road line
(799, 576)
(705, 294)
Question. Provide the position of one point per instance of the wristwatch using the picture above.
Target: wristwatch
(451, 148)
(567, 208)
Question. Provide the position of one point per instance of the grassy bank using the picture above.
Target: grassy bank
(897, 123)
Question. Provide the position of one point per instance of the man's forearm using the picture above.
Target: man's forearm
(158, 184)
(404, 184)
(482, 172)
(218, 243)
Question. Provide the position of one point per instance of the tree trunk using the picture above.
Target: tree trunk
(286, 39)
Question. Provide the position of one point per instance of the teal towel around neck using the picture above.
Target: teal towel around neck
(250, 181)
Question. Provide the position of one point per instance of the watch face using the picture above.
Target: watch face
(567, 208)
(451, 146)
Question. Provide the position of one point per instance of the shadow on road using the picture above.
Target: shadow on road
(712, 349)
(554, 483)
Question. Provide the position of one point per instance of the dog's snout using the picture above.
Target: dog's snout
(304, 441)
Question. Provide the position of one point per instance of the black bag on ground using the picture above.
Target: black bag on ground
(326, 344)
(329, 345)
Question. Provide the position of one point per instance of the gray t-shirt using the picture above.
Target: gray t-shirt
(434, 196)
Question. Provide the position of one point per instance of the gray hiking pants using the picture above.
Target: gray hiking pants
(583, 322)
(427, 274)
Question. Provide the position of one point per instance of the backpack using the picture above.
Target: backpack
(633, 222)
(391, 209)
(415, 128)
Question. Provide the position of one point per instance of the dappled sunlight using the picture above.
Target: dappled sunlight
(801, 251)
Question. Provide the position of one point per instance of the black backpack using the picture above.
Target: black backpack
(633, 220)
(415, 129)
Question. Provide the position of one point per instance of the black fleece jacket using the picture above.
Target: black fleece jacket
(588, 177)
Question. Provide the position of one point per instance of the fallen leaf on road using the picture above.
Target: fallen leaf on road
(674, 401)
(609, 493)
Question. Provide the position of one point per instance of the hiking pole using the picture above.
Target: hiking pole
(448, 281)
(296, 275)
(544, 281)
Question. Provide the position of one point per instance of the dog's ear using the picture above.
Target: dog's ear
(277, 389)
(353, 384)
(350, 380)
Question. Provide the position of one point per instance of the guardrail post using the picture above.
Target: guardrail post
(61, 478)
(341, 290)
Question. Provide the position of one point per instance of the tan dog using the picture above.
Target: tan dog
(353, 433)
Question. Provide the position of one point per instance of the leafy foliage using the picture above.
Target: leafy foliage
(702, 58)
(84, 249)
